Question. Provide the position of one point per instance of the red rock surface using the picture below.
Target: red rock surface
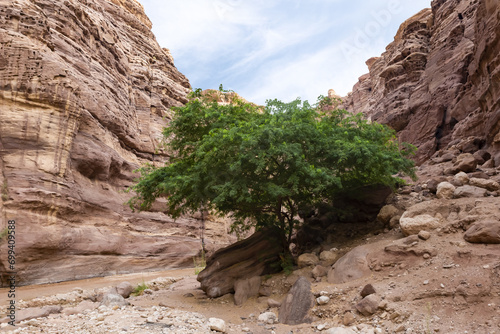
(84, 89)
(439, 80)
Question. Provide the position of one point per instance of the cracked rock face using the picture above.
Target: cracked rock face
(85, 91)
(439, 80)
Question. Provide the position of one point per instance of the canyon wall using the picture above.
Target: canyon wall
(439, 81)
(85, 91)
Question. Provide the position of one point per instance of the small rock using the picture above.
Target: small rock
(267, 318)
(265, 291)
(367, 290)
(319, 271)
(340, 330)
(349, 319)
(273, 303)
(306, 260)
(424, 235)
(400, 328)
(217, 325)
(426, 282)
(321, 327)
(323, 300)
(148, 292)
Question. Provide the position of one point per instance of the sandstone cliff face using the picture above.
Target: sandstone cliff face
(84, 88)
(439, 80)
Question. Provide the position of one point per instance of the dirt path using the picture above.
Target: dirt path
(33, 291)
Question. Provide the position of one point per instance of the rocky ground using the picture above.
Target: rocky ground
(430, 264)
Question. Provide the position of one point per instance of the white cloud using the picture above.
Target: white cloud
(276, 49)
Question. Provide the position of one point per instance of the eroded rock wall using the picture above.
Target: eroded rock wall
(438, 81)
(85, 90)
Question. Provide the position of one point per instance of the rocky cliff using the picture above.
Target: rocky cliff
(85, 90)
(439, 80)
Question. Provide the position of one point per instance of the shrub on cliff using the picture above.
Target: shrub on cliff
(262, 165)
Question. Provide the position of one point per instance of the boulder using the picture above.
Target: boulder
(487, 184)
(433, 183)
(124, 289)
(424, 235)
(37, 312)
(466, 163)
(367, 290)
(484, 232)
(319, 271)
(413, 225)
(470, 192)
(386, 213)
(246, 288)
(461, 178)
(445, 190)
(111, 299)
(352, 266)
(255, 256)
(328, 257)
(297, 303)
(368, 305)
(306, 260)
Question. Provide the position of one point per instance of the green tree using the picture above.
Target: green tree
(263, 165)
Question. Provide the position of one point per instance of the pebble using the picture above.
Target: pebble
(323, 300)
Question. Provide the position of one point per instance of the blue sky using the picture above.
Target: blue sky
(277, 49)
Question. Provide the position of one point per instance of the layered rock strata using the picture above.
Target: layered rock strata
(439, 80)
(85, 91)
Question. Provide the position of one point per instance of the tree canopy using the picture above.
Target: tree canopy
(263, 164)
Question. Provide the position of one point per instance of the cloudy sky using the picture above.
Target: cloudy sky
(265, 49)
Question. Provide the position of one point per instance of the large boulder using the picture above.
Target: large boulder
(352, 266)
(297, 303)
(255, 256)
(484, 232)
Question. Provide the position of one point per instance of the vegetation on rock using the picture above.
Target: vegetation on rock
(264, 166)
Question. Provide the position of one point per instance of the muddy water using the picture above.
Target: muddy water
(43, 290)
